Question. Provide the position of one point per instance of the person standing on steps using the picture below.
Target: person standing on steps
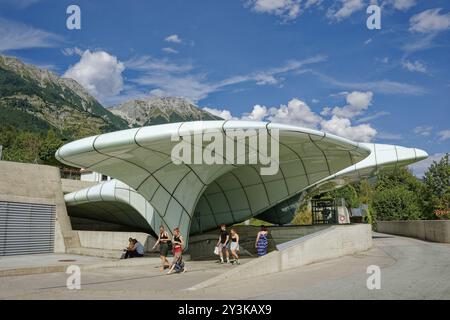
(163, 241)
(222, 243)
(261, 243)
(234, 246)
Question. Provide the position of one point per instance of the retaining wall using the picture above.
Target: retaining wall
(429, 230)
(326, 244)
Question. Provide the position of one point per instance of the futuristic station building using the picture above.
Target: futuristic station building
(152, 188)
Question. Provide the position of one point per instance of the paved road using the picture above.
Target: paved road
(410, 269)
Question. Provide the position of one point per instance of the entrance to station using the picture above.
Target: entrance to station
(329, 211)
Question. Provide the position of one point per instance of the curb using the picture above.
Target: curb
(63, 268)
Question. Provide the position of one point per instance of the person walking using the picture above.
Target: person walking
(222, 243)
(163, 241)
(234, 246)
(178, 245)
(261, 242)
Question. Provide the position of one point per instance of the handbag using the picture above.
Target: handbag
(216, 251)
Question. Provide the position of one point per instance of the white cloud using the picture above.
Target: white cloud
(345, 10)
(373, 116)
(191, 87)
(403, 5)
(224, 114)
(359, 100)
(169, 50)
(286, 9)
(414, 66)
(296, 112)
(430, 21)
(422, 42)
(357, 103)
(343, 127)
(21, 4)
(173, 79)
(158, 93)
(99, 72)
(310, 3)
(149, 64)
(15, 36)
(423, 130)
(259, 113)
(421, 167)
(444, 135)
(389, 136)
(381, 86)
(174, 38)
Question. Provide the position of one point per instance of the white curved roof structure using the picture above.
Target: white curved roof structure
(382, 157)
(201, 196)
(114, 202)
(154, 191)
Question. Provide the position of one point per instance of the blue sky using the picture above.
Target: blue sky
(312, 63)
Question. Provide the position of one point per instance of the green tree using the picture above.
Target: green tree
(396, 203)
(398, 177)
(397, 196)
(437, 187)
(48, 147)
(303, 216)
(347, 192)
(364, 189)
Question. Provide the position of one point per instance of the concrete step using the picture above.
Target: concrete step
(50, 263)
(112, 254)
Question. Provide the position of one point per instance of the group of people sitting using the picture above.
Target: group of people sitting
(136, 249)
(228, 242)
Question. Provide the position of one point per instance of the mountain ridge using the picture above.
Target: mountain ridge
(158, 110)
(57, 103)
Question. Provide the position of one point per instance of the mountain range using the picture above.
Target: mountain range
(152, 111)
(37, 100)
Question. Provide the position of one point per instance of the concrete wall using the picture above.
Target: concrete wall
(326, 244)
(106, 240)
(31, 183)
(69, 185)
(429, 230)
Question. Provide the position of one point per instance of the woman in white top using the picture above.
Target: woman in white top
(234, 245)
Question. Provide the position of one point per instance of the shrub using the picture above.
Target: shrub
(396, 203)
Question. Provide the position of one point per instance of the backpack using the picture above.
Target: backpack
(179, 265)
